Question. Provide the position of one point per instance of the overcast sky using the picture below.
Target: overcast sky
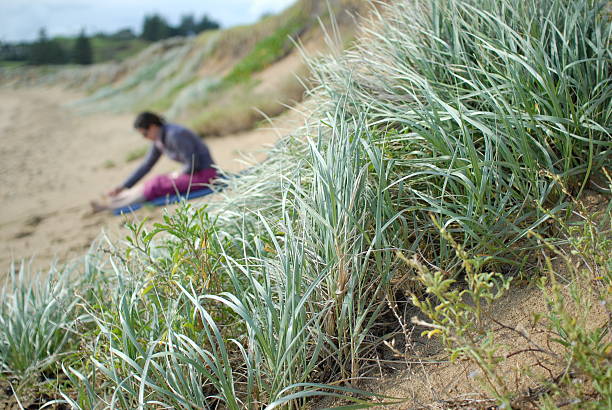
(22, 19)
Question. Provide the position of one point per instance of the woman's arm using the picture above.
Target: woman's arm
(146, 165)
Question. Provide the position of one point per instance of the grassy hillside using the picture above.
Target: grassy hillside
(215, 83)
(445, 158)
(108, 48)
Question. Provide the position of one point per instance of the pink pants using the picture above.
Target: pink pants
(162, 185)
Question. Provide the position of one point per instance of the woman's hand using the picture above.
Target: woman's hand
(116, 191)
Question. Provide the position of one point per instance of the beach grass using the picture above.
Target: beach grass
(457, 130)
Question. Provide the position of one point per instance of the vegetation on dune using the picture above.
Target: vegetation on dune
(568, 339)
(267, 51)
(483, 110)
(454, 141)
(240, 107)
(111, 49)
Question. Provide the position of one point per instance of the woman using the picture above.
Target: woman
(176, 142)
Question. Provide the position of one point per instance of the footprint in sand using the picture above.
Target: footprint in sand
(31, 222)
(34, 220)
(22, 234)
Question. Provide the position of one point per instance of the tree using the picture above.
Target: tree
(155, 28)
(14, 52)
(82, 54)
(123, 34)
(187, 26)
(38, 49)
(206, 23)
(45, 51)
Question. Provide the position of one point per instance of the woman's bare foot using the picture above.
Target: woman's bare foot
(98, 206)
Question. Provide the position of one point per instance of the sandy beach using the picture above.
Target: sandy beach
(54, 160)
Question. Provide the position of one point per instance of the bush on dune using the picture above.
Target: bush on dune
(451, 130)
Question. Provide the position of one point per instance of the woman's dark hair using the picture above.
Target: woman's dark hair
(146, 119)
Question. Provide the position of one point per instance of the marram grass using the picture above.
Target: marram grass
(457, 116)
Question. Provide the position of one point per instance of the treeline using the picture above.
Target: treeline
(50, 51)
(155, 27)
(80, 50)
(47, 50)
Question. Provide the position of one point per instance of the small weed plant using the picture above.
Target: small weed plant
(576, 284)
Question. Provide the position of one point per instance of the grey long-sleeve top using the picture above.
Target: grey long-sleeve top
(179, 144)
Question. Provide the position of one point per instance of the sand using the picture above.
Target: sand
(54, 160)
